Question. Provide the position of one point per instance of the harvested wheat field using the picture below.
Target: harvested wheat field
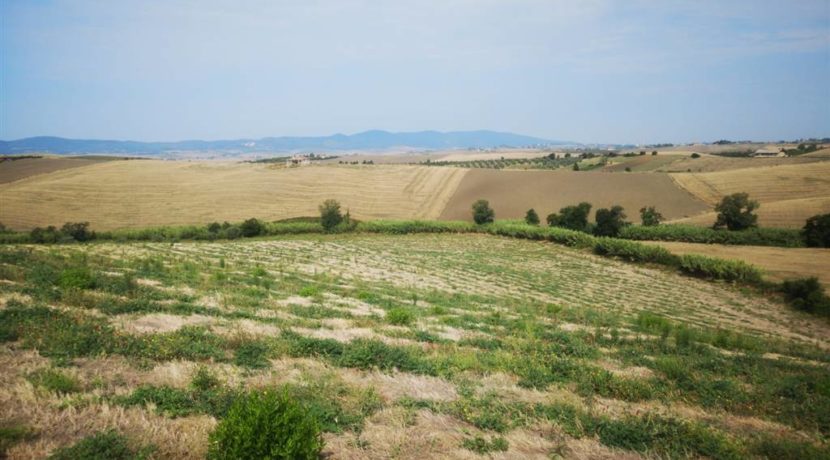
(416, 346)
(788, 194)
(121, 194)
(11, 171)
(714, 163)
(778, 264)
(512, 193)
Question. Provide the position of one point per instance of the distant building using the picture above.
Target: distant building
(769, 152)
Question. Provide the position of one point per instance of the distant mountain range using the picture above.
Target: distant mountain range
(368, 140)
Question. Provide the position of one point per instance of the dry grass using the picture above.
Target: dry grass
(512, 193)
(778, 263)
(788, 194)
(120, 194)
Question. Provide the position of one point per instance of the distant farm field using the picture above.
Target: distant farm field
(788, 194)
(778, 264)
(409, 347)
(512, 193)
(121, 194)
(20, 169)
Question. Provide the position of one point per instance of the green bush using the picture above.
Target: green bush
(806, 294)
(816, 231)
(251, 227)
(783, 237)
(610, 221)
(634, 252)
(483, 213)
(650, 217)
(78, 231)
(571, 217)
(400, 316)
(253, 355)
(266, 425)
(482, 446)
(330, 216)
(400, 227)
(719, 269)
(107, 445)
(531, 218)
(54, 380)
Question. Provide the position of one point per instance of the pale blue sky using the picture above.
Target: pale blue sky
(633, 71)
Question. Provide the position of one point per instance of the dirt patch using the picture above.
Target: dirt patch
(160, 322)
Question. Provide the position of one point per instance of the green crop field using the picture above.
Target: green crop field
(404, 346)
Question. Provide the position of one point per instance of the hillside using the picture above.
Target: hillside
(512, 193)
(405, 346)
(121, 194)
(367, 140)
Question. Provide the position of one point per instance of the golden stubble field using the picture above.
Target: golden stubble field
(788, 194)
(146, 193)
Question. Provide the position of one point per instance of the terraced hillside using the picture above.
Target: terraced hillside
(121, 194)
(412, 346)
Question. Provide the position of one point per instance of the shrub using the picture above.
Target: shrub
(634, 252)
(107, 445)
(695, 155)
(482, 446)
(252, 354)
(571, 217)
(78, 231)
(251, 227)
(806, 294)
(784, 237)
(650, 216)
(54, 380)
(719, 269)
(400, 316)
(531, 217)
(816, 232)
(482, 212)
(76, 278)
(266, 425)
(330, 216)
(46, 235)
(610, 221)
(735, 212)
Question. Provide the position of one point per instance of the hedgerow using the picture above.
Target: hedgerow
(759, 236)
(719, 269)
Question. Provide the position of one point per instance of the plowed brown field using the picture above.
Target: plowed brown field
(512, 193)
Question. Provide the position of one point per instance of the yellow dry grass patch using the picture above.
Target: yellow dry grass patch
(119, 194)
(788, 193)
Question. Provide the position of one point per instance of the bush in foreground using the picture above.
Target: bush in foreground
(266, 425)
(107, 445)
(531, 218)
(610, 221)
(721, 269)
(650, 216)
(571, 217)
(806, 294)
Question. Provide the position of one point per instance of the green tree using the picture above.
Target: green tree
(531, 217)
(78, 231)
(610, 221)
(252, 227)
(576, 166)
(330, 215)
(735, 212)
(572, 217)
(650, 216)
(482, 212)
(816, 231)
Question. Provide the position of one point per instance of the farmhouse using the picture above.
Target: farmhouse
(769, 152)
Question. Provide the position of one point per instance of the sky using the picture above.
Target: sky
(615, 71)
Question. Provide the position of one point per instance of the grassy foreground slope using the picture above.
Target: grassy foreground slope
(412, 346)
